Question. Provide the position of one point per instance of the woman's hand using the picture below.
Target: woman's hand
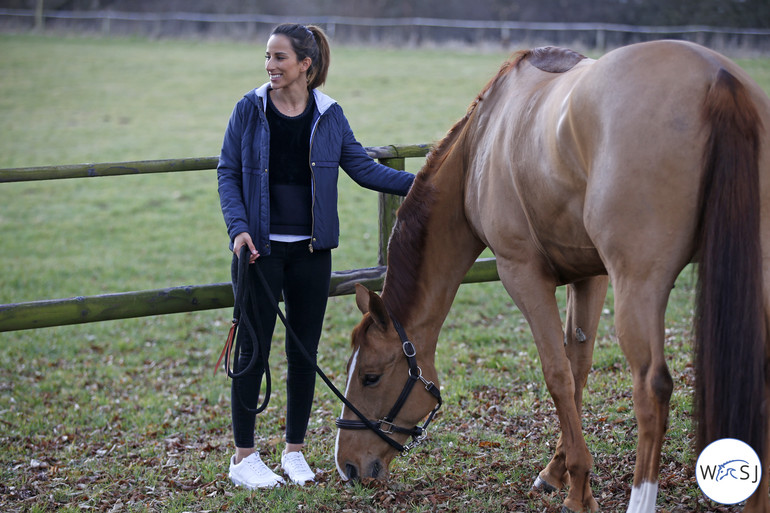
(244, 239)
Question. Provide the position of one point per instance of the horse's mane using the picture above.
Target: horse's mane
(407, 242)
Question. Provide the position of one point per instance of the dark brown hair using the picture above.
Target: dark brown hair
(309, 41)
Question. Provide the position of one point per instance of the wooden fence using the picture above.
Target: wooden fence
(378, 29)
(77, 310)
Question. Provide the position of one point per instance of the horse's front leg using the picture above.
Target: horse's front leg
(536, 299)
(585, 300)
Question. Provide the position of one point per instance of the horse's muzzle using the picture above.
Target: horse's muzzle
(376, 470)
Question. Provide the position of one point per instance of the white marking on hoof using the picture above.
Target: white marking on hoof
(643, 498)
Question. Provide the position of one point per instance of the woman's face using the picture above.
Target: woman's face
(282, 65)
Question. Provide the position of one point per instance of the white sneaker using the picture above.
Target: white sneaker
(295, 466)
(252, 473)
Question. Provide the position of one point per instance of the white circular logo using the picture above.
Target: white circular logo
(728, 471)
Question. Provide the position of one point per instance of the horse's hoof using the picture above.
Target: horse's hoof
(565, 509)
(541, 485)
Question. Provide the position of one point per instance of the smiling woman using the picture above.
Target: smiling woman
(291, 56)
(277, 178)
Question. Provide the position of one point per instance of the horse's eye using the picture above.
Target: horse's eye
(371, 379)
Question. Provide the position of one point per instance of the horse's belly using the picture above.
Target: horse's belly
(552, 234)
(574, 263)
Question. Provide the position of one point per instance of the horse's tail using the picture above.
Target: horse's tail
(730, 327)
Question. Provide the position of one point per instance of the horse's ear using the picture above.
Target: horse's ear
(369, 302)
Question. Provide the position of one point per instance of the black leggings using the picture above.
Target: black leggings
(303, 279)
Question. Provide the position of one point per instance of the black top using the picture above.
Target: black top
(290, 178)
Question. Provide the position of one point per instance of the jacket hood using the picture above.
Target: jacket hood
(259, 95)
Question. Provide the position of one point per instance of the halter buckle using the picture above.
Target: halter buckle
(390, 426)
(409, 349)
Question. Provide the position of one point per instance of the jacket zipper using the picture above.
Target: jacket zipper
(312, 183)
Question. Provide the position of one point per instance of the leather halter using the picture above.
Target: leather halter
(385, 426)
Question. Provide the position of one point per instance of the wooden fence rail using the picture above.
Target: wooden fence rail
(153, 23)
(105, 307)
(26, 174)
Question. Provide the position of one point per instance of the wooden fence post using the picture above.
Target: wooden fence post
(388, 206)
(39, 19)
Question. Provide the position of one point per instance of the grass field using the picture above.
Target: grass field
(127, 415)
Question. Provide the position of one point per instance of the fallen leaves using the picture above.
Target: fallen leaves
(156, 433)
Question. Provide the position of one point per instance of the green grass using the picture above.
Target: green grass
(129, 413)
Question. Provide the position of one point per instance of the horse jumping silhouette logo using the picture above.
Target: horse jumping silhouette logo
(730, 468)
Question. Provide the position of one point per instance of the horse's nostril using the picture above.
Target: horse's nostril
(376, 468)
(351, 471)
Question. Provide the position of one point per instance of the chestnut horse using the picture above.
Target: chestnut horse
(576, 172)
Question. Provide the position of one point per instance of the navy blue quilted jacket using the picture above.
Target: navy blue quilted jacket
(244, 168)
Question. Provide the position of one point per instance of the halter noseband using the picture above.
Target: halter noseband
(385, 425)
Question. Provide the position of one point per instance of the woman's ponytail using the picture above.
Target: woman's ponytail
(316, 75)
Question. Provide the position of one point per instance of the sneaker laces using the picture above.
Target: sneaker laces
(295, 465)
(258, 466)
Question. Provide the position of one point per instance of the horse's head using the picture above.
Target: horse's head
(378, 386)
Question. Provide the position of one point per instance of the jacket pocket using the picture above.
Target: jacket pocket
(323, 164)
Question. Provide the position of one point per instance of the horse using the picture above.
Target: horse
(578, 172)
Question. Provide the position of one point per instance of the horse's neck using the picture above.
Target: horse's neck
(450, 250)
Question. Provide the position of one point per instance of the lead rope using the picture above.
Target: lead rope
(243, 311)
(226, 350)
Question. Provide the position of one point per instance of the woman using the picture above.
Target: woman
(277, 178)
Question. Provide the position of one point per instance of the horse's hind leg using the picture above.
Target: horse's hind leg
(585, 300)
(640, 306)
